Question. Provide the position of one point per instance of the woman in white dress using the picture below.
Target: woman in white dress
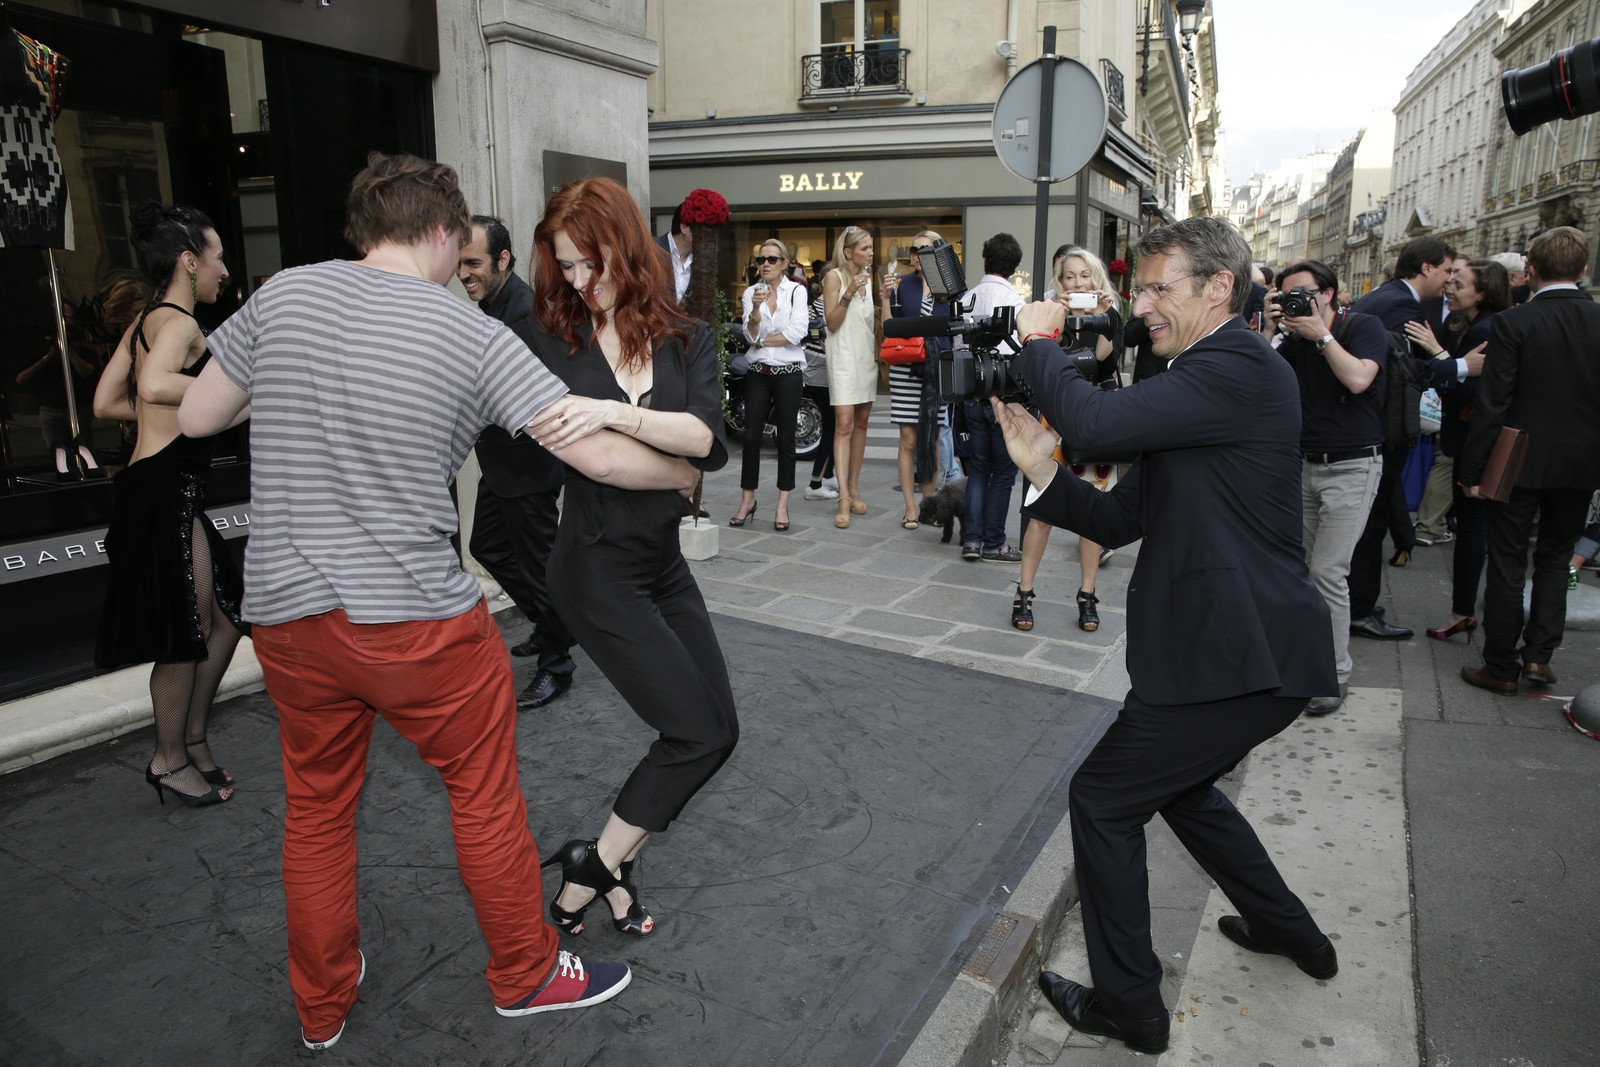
(850, 307)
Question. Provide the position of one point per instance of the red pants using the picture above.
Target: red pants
(446, 687)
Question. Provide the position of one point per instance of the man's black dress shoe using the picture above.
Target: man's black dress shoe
(542, 689)
(530, 647)
(1379, 629)
(1081, 1008)
(1322, 964)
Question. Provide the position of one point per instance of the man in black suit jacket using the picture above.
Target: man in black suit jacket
(514, 523)
(1541, 374)
(678, 244)
(1228, 640)
(1421, 274)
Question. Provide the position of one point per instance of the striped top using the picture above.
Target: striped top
(367, 390)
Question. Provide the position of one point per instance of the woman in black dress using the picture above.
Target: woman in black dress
(608, 326)
(174, 593)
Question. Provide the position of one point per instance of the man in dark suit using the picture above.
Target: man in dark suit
(1541, 374)
(1421, 273)
(514, 523)
(678, 244)
(1228, 640)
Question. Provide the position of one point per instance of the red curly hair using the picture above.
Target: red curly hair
(604, 222)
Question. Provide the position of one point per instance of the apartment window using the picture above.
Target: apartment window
(859, 42)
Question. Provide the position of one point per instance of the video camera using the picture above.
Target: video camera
(983, 368)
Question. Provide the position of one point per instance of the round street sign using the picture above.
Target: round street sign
(1079, 120)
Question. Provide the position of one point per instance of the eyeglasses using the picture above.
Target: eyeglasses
(769, 259)
(1157, 291)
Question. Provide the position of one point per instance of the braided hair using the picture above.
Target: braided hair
(161, 233)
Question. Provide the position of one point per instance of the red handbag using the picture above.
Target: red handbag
(897, 350)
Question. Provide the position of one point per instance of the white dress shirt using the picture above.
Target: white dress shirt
(681, 265)
(792, 319)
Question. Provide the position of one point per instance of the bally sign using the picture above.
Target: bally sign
(71, 552)
(852, 180)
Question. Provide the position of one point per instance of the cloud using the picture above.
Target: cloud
(1293, 78)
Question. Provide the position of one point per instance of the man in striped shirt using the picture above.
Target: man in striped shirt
(367, 383)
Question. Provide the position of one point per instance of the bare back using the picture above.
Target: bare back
(175, 343)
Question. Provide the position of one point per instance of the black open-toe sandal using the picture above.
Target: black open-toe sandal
(1088, 617)
(216, 775)
(581, 865)
(737, 521)
(1022, 609)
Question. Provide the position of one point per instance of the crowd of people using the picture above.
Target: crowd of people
(591, 385)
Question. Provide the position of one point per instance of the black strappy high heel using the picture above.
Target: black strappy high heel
(216, 775)
(159, 782)
(1022, 609)
(581, 865)
(736, 521)
(1088, 617)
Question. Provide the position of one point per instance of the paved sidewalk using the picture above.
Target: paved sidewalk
(878, 585)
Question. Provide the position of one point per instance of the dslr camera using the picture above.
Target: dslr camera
(983, 368)
(1297, 303)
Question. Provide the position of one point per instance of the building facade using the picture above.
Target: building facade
(1446, 120)
(1550, 176)
(878, 113)
(258, 114)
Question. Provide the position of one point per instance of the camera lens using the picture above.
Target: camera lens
(1565, 86)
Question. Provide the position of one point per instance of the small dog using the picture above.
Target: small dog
(945, 508)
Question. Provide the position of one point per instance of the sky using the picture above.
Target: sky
(1294, 78)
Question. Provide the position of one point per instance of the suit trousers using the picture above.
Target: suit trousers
(777, 396)
(512, 537)
(445, 686)
(1433, 511)
(1560, 513)
(1389, 515)
(1167, 760)
(619, 578)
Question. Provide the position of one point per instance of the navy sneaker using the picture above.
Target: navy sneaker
(329, 1042)
(571, 985)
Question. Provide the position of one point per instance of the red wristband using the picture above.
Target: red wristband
(1048, 336)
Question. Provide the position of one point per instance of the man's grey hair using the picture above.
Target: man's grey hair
(1390, 265)
(1209, 246)
(1511, 261)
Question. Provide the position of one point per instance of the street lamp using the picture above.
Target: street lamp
(1189, 12)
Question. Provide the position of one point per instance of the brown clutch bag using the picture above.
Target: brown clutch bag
(1500, 474)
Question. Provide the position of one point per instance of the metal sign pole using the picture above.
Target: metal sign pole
(1041, 208)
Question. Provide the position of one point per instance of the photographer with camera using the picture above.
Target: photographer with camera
(1338, 357)
(1227, 637)
(990, 472)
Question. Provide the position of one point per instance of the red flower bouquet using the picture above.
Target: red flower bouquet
(1118, 267)
(705, 207)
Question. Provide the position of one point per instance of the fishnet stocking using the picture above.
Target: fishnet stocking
(181, 693)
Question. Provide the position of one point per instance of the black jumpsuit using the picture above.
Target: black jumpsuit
(618, 579)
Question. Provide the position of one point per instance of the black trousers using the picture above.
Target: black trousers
(822, 466)
(1168, 760)
(1560, 513)
(779, 396)
(512, 537)
(1389, 515)
(1471, 549)
(619, 579)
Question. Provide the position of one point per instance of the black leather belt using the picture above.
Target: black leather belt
(786, 368)
(1339, 457)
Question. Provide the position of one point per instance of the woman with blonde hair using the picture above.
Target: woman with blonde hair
(850, 307)
(1078, 271)
(776, 320)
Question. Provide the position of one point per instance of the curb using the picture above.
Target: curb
(995, 982)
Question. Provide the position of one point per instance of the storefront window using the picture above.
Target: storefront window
(811, 243)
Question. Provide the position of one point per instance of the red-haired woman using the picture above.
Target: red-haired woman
(607, 325)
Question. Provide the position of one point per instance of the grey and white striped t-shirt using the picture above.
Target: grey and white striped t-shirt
(367, 390)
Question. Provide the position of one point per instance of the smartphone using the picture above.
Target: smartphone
(1082, 301)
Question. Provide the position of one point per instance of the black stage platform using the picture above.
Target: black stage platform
(812, 902)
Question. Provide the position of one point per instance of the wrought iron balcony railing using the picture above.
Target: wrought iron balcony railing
(871, 71)
(1112, 77)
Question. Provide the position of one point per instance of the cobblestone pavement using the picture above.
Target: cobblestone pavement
(876, 584)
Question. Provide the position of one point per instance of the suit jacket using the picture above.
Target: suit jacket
(1541, 374)
(515, 466)
(1220, 603)
(1393, 303)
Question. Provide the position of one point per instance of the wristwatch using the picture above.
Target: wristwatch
(1323, 342)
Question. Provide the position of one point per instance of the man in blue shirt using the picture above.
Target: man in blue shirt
(1338, 358)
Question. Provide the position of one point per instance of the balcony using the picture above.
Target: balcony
(1112, 78)
(871, 72)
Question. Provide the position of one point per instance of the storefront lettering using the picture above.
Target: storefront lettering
(15, 563)
(238, 520)
(852, 180)
(45, 557)
(75, 550)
